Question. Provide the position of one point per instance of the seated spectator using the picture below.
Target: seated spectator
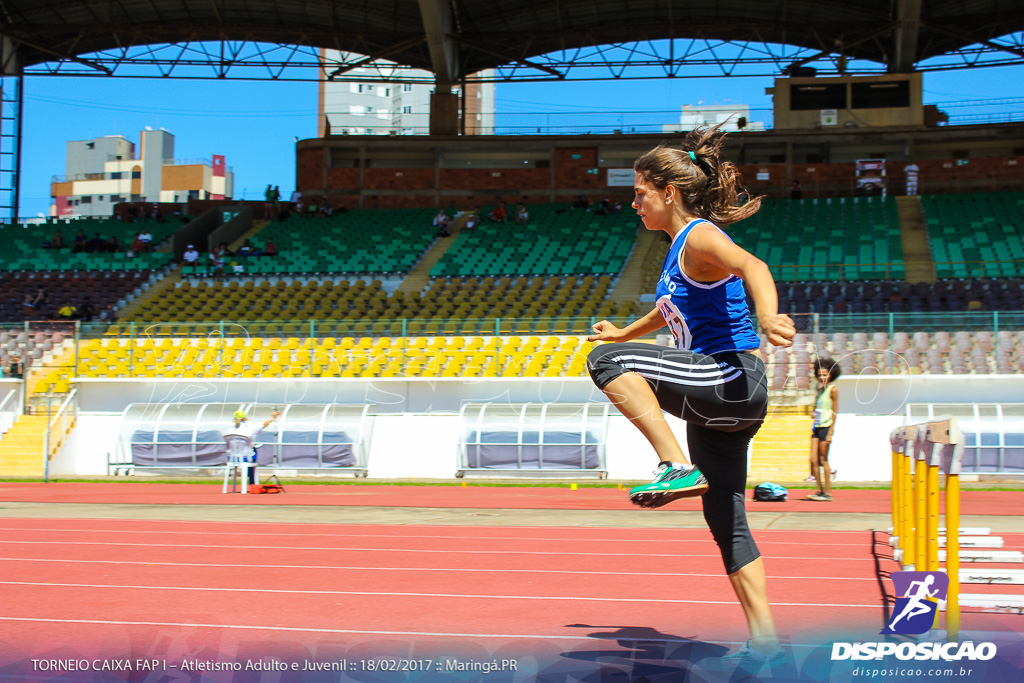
(135, 247)
(81, 240)
(221, 250)
(216, 264)
(248, 250)
(146, 239)
(67, 312)
(113, 245)
(57, 241)
(522, 215)
(97, 245)
(190, 257)
(87, 311)
(617, 207)
(16, 369)
(33, 304)
(441, 223)
(270, 249)
(500, 213)
(108, 314)
(473, 218)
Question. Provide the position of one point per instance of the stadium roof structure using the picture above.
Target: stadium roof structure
(518, 39)
(448, 42)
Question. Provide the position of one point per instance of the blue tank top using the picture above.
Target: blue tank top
(704, 317)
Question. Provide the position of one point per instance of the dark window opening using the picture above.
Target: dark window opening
(810, 97)
(879, 95)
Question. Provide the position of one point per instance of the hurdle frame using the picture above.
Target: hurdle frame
(919, 453)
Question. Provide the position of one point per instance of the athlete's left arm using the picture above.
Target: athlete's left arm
(713, 251)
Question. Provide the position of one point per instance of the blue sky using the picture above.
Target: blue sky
(255, 124)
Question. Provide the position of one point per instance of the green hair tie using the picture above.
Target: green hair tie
(693, 157)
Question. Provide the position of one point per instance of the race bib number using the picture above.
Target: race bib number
(676, 322)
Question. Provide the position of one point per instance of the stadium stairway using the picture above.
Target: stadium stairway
(631, 282)
(154, 293)
(257, 226)
(419, 277)
(170, 281)
(21, 449)
(781, 448)
(917, 255)
(49, 380)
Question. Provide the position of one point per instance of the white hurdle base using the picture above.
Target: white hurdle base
(990, 576)
(1008, 556)
(965, 533)
(990, 602)
(964, 530)
(976, 541)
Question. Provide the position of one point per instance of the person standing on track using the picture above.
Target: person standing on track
(827, 371)
(714, 378)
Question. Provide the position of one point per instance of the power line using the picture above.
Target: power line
(132, 109)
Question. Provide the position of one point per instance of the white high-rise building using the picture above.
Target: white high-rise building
(374, 108)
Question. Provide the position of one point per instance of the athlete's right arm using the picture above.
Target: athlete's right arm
(606, 331)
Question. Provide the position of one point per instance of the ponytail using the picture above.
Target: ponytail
(708, 186)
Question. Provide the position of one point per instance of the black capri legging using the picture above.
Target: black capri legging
(723, 398)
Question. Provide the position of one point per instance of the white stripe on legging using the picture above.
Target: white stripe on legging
(691, 383)
(685, 366)
(712, 378)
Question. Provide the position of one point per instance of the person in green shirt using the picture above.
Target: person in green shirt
(827, 371)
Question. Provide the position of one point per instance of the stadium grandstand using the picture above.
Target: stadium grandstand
(372, 341)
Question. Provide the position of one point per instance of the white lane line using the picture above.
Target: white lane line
(702, 532)
(447, 527)
(396, 594)
(429, 634)
(417, 569)
(406, 550)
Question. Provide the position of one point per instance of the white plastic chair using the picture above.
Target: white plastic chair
(239, 449)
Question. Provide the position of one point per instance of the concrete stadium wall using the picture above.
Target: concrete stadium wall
(426, 171)
(416, 427)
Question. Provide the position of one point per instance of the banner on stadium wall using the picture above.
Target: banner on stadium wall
(621, 177)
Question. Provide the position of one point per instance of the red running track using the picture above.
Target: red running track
(175, 589)
(973, 502)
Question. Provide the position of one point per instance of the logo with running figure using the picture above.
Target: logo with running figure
(918, 595)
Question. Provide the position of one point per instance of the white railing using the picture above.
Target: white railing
(58, 428)
(9, 410)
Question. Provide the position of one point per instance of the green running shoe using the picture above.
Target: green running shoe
(669, 484)
(749, 661)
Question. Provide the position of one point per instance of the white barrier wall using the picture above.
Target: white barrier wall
(410, 445)
(416, 427)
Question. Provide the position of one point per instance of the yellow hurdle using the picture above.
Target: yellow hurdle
(948, 443)
(919, 453)
(953, 549)
(902, 493)
(897, 499)
(919, 558)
